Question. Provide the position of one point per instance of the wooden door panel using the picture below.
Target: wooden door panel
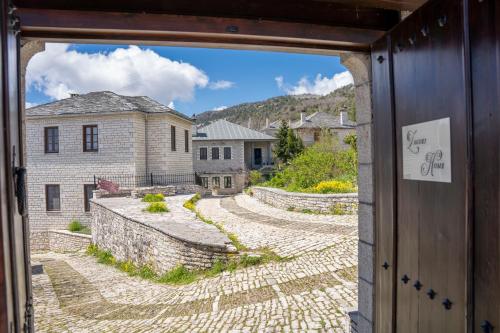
(385, 186)
(429, 78)
(485, 74)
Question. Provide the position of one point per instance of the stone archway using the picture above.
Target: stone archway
(359, 65)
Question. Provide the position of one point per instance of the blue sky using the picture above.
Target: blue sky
(194, 79)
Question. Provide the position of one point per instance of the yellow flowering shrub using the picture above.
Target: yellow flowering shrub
(334, 186)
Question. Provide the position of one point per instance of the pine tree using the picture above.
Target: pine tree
(289, 145)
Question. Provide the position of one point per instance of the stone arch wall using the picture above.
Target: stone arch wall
(359, 64)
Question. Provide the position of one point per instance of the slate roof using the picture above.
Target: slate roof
(100, 102)
(225, 130)
(322, 120)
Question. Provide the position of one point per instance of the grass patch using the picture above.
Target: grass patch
(178, 275)
(157, 207)
(153, 197)
(76, 226)
(236, 242)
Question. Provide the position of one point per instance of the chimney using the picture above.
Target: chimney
(249, 125)
(194, 126)
(267, 122)
(302, 117)
(344, 120)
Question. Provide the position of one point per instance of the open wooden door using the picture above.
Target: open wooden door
(15, 284)
(423, 140)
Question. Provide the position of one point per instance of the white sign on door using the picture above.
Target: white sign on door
(426, 151)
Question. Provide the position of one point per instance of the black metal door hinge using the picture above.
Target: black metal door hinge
(20, 189)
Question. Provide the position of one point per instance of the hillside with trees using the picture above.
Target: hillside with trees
(284, 107)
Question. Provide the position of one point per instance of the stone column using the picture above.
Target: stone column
(360, 67)
(28, 50)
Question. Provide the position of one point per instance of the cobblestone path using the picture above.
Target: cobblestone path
(306, 294)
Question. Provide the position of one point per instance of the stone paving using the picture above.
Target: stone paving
(307, 293)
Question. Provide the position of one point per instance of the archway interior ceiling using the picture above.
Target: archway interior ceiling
(318, 25)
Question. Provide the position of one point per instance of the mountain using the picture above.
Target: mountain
(284, 107)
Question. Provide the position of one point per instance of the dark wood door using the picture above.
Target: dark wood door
(485, 73)
(425, 225)
(15, 281)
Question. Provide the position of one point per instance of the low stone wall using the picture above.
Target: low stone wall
(324, 203)
(59, 241)
(130, 239)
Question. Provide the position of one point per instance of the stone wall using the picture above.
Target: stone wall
(359, 65)
(129, 239)
(59, 241)
(168, 190)
(323, 203)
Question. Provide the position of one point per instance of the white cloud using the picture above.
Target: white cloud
(171, 105)
(220, 108)
(57, 72)
(279, 81)
(221, 84)
(321, 85)
(28, 105)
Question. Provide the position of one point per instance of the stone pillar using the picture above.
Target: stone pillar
(28, 50)
(360, 67)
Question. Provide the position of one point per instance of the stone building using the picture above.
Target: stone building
(309, 128)
(99, 133)
(224, 152)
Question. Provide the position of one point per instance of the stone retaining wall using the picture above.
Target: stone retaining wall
(128, 239)
(59, 241)
(324, 203)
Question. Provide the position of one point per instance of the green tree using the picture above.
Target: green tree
(289, 145)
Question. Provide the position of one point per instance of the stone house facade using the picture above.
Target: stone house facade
(97, 134)
(309, 128)
(224, 152)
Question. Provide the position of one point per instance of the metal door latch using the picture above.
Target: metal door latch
(20, 189)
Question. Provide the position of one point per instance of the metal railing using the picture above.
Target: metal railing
(151, 179)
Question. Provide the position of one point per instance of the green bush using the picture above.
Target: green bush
(255, 177)
(153, 197)
(75, 226)
(324, 161)
(157, 207)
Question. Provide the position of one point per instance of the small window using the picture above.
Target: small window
(51, 139)
(227, 182)
(53, 198)
(203, 153)
(204, 182)
(215, 181)
(172, 138)
(90, 138)
(227, 153)
(186, 141)
(87, 195)
(215, 153)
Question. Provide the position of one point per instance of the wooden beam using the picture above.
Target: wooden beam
(166, 28)
(346, 14)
